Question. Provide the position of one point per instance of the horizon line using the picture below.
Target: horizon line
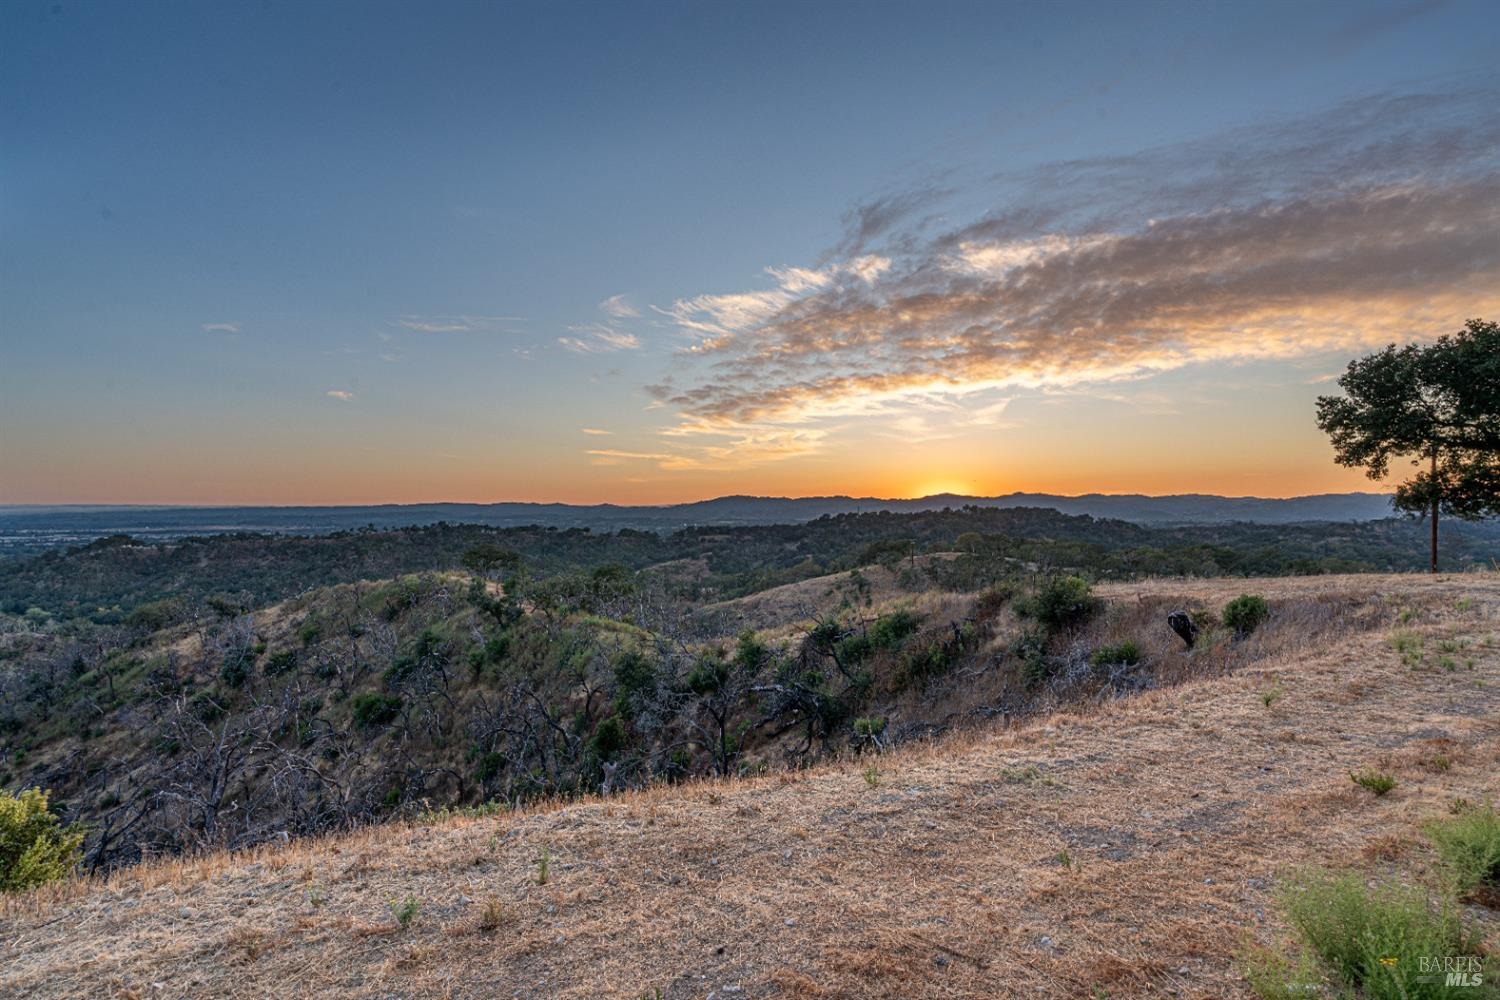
(168, 505)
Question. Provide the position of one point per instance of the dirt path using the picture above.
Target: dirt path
(1128, 852)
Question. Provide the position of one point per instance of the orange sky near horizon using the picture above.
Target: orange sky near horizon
(1169, 456)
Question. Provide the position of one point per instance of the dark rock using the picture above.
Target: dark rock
(1182, 623)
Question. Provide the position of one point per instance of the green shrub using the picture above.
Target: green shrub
(280, 663)
(429, 651)
(235, 671)
(34, 847)
(1408, 645)
(405, 910)
(1376, 781)
(1273, 975)
(1062, 602)
(478, 810)
(925, 660)
(373, 709)
(494, 650)
(1031, 648)
(1127, 653)
(825, 636)
(153, 616)
(1245, 613)
(831, 710)
(1469, 845)
(635, 682)
(890, 630)
(709, 674)
(608, 739)
(854, 649)
(887, 552)
(224, 607)
(489, 765)
(1374, 939)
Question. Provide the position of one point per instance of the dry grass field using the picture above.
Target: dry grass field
(1128, 849)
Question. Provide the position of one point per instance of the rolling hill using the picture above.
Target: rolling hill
(1127, 847)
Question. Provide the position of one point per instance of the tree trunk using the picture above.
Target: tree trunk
(1434, 511)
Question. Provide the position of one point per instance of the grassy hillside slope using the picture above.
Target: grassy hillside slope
(1127, 849)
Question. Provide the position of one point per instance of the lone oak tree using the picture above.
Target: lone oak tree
(1437, 405)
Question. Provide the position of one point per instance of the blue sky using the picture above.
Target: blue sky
(324, 252)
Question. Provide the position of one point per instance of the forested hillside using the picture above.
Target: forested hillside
(226, 690)
(104, 580)
(27, 530)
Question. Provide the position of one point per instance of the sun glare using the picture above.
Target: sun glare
(933, 487)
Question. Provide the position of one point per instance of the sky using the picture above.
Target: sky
(370, 252)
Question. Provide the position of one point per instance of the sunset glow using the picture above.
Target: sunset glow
(620, 265)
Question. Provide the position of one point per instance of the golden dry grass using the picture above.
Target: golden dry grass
(1124, 851)
(785, 612)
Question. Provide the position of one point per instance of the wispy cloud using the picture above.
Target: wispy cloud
(221, 328)
(341, 395)
(721, 318)
(721, 449)
(611, 456)
(619, 307)
(457, 324)
(606, 337)
(1376, 221)
(598, 432)
(1372, 21)
(597, 338)
(874, 218)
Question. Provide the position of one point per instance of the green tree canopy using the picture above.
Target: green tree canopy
(1437, 404)
(489, 560)
(34, 846)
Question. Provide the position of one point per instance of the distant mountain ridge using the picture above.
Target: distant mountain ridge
(30, 528)
(1186, 508)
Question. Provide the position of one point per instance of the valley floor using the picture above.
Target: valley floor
(1126, 851)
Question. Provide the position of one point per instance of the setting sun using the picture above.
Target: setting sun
(939, 487)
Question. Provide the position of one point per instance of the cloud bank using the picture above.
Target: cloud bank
(457, 323)
(1378, 220)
